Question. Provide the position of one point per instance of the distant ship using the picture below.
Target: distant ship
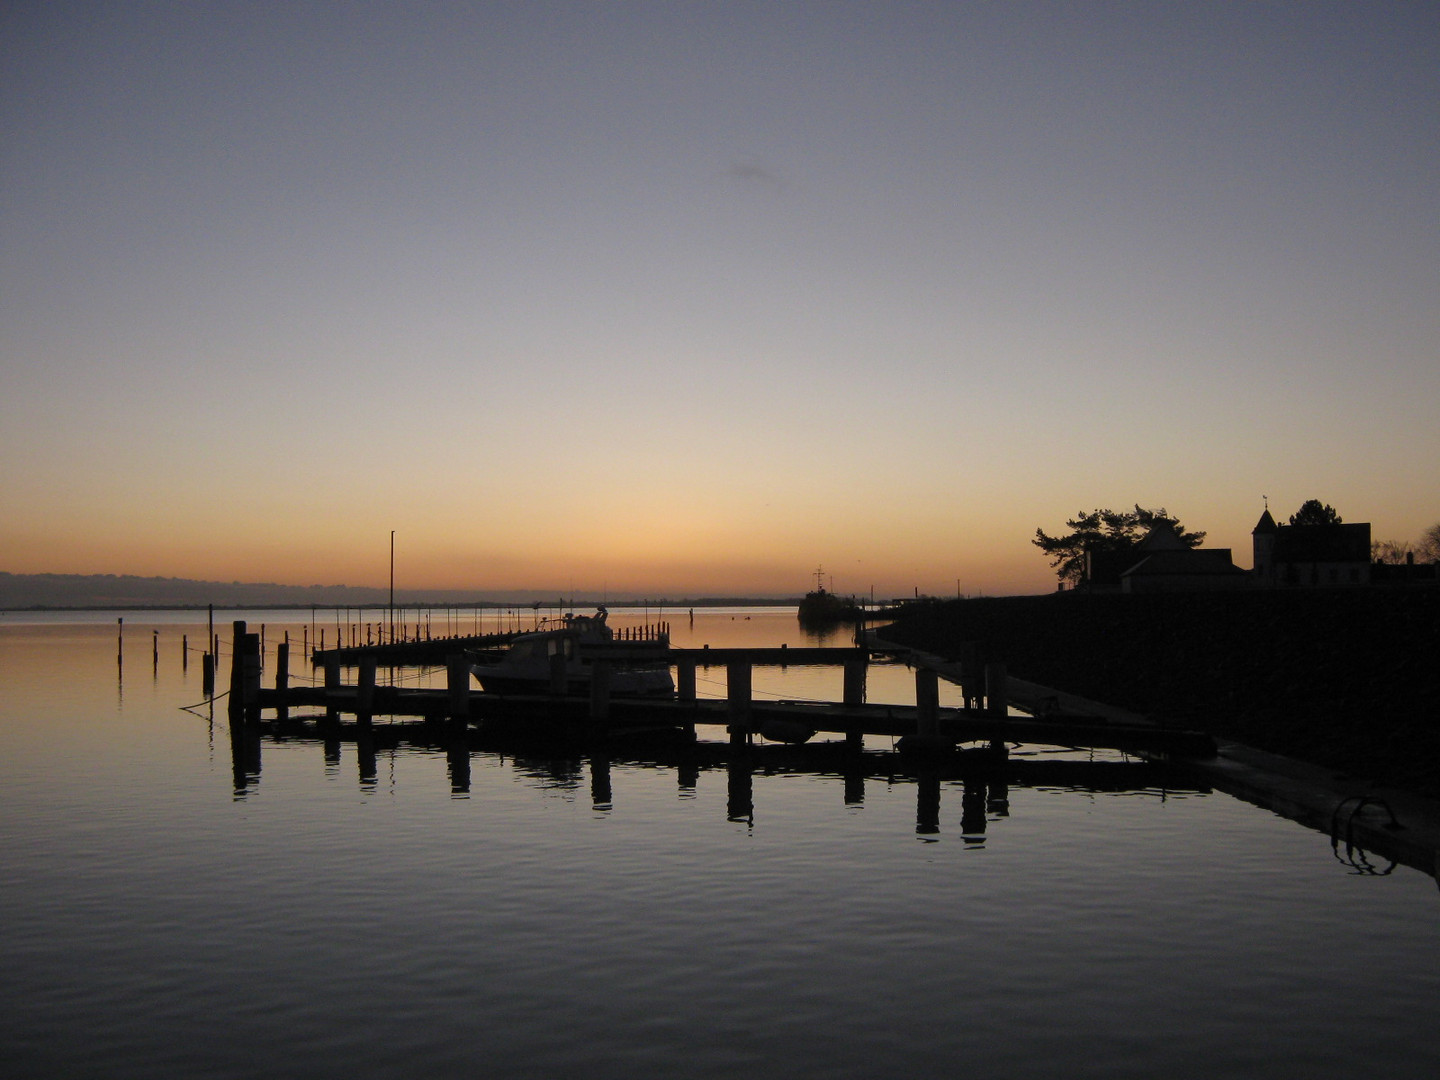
(821, 606)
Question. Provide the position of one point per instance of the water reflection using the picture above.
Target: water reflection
(982, 777)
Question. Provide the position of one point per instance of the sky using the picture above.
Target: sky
(681, 299)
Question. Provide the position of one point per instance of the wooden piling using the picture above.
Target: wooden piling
(997, 701)
(184, 652)
(737, 699)
(207, 674)
(237, 668)
(457, 684)
(927, 703)
(282, 679)
(155, 649)
(600, 673)
(685, 678)
(250, 684)
(365, 691)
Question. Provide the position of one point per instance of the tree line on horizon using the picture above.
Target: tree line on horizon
(1117, 531)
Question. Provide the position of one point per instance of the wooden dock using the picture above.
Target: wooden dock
(924, 727)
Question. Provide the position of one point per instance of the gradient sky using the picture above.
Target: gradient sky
(682, 298)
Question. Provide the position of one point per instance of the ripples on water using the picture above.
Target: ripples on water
(155, 924)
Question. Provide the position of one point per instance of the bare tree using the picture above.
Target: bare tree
(1390, 551)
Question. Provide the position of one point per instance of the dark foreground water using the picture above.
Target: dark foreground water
(625, 918)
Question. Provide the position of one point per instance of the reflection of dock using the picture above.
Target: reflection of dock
(981, 778)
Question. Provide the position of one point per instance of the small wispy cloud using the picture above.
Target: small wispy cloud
(754, 172)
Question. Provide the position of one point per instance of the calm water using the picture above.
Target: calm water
(621, 919)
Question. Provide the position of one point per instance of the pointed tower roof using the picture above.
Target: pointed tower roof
(1266, 524)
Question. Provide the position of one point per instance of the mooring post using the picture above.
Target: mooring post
(207, 675)
(184, 652)
(927, 702)
(737, 699)
(155, 649)
(997, 698)
(457, 684)
(600, 692)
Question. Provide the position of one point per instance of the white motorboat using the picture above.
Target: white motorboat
(529, 666)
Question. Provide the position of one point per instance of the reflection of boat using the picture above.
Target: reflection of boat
(820, 606)
(528, 666)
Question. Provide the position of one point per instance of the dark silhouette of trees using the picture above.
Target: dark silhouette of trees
(1393, 552)
(1314, 512)
(1428, 549)
(1104, 532)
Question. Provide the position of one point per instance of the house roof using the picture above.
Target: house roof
(1192, 562)
(1323, 543)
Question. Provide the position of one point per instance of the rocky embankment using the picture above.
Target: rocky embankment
(1349, 679)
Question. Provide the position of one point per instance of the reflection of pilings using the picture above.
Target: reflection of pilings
(600, 794)
(687, 776)
(332, 750)
(927, 802)
(457, 763)
(854, 787)
(972, 809)
(365, 752)
(740, 790)
(244, 756)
